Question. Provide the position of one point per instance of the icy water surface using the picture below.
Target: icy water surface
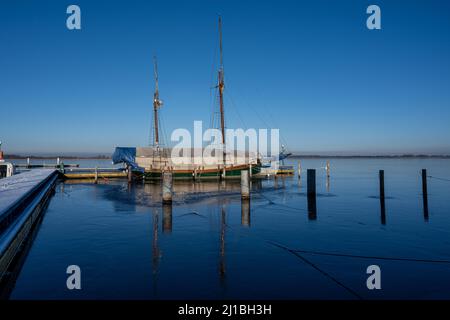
(210, 245)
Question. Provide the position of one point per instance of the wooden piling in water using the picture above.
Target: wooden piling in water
(167, 188)
(328, 168)
(382, 198)
(299, 169)
(129, 174)
(311, 193)
(311, 182)
(245, 185)
(96, 175)
(381, 178)
(425, 193)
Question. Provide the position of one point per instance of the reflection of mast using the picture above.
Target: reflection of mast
(156, 104)
(222, 246)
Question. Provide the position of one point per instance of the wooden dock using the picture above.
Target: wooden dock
(94, 173)
(23, 199)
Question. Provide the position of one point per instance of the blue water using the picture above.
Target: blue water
(209, 246)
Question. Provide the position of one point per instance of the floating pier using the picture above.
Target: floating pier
(24, 197)
(94, 173)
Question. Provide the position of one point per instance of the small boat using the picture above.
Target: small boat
(151, 162)
(6, 168)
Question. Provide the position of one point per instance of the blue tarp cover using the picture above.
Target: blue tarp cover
(125, 155)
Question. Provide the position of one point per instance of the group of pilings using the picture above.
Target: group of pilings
(311, 192)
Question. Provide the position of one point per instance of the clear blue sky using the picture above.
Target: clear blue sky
(310, 68)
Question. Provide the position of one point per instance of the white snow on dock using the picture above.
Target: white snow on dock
(14, 188)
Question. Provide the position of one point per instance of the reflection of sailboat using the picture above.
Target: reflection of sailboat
(222, 270)
(188, 163)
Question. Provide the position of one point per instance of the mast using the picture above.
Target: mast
(221, 86)
(156, 104)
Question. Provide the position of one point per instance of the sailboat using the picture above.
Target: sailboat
(151, 162)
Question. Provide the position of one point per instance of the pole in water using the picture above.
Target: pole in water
(311, 193)
(382, 200)
(245, 185)
(425, 193)
(129, 174)
(28, 162)
(328, 168)
(96, 175)
(311, 182)
(299, 169)
(167, 188)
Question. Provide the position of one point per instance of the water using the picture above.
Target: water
(209, 247)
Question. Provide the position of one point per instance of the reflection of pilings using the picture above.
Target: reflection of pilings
(311, 193)
(167, 187)
(245, 185)
(425, 193)
(222, 246)
(245, 212)
(167, 218)
(155, 248)
(382, 200)
(328, 184)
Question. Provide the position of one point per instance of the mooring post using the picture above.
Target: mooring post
(381, 176)
(311, 193)
(167, 188)
(195, 173)
(328, 168)
(129, 174)
(61, 167)
(250, 170)
(57, 161)
(382, 201)
(245, 186)
(96, 175)
(299, 169)
(425, 193)
(311, 182)
(28, 162)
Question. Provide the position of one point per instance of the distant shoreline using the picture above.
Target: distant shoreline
(294, 156)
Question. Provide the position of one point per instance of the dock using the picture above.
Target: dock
(23, 199)
(94, 173)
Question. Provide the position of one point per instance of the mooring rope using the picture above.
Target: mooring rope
(442, 179)
(370, 257)
(326, 274)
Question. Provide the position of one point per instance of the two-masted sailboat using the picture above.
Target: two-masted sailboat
(151, 162)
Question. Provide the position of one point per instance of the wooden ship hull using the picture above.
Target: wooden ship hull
(198, 174)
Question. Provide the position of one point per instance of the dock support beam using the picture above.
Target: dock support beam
(425, 193)
(245, 185)
(167, 188)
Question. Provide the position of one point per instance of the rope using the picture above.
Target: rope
(442, 179)
(370, 257)
(326, 274)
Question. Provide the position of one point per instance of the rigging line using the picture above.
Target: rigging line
(371, 257)
(326, 274)
(235, 109)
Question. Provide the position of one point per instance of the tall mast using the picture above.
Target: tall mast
(156, 104)
(221, 84)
